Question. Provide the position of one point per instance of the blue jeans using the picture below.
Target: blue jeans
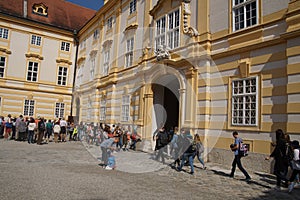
(200, 159)
(190, 157)
(30, 136)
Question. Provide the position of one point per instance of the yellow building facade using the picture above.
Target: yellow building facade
(37, 57)
(211, 66)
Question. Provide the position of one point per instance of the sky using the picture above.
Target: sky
(92, 4)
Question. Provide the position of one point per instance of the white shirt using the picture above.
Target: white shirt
(296, 154)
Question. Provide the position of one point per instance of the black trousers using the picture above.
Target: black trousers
(237, 162)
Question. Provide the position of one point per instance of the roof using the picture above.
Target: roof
(61, 14)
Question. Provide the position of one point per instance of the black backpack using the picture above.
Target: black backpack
(42, 125)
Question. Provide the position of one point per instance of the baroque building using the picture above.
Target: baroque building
(37, 56)
(211, 66)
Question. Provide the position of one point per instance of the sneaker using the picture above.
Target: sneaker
(277, 188)
(248, 179)
(191, 173)
(291, 187)
(108, 168)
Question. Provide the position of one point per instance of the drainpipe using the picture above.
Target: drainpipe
(75, 69)
(25, 8)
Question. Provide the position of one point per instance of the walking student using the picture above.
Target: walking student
(237, 158)
(295, 165)
(281, 162)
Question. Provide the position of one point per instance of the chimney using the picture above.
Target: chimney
(25, 8)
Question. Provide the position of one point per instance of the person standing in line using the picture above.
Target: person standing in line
(20, 118)
(200, 149)
(49, 129)
(237, 158)
(22, 127)
(63, 129)
(41, 130)
(31, 128)
(281, 161)
(56, 130)
(8, 127)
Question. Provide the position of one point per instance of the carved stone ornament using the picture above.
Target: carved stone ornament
(187, 29)
(162, 52)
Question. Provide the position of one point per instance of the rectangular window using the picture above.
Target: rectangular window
(173, 30)
(244, 14)
(125, 108)
(160, 38)
(65, 46)
(96, 34)
(2, 66)
(92, 70)
(244, 102)
(103, 110)
(32, 71)
(4, 33)
(62, 76)
(167, 30)
(129, 52)
(28, 107)
(109, 23)
(106, 62)
(36, 40)
(132, 6)
(59, 110)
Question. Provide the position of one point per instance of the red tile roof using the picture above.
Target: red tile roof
(61, 13)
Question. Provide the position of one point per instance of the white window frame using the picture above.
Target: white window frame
(59, 110)
(241, 18)
(92, 69)
(2, 66)
(125, 108)
(36, 40)
(32, 71)
(129, 52)
(106, 60)
(62, 75)
(96, 34)
(132, 6)
(109, 23)
(4, 33)
(168, 30)
(103, 109)
(65, 46)
(244, 102)
(28, 107)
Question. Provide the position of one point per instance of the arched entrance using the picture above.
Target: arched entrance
(166, 101)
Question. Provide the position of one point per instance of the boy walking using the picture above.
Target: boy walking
(237, 158)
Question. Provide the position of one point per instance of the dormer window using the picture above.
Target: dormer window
(40, 9)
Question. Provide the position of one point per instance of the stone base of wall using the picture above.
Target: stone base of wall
(254, 162)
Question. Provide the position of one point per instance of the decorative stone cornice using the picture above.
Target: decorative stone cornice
(162, 53)
(107, 43)
(81, 59)
(34, 55)
(62, 60)
(187, 29)
(5, 50)
(93, 52)
(130, 27)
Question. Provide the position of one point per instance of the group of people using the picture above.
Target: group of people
(182, 146)
(286, 156)
(36, 130)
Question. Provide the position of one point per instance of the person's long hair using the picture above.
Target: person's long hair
(279, 134)
(197, 138)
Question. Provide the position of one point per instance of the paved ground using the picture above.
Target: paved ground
(71, 171)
